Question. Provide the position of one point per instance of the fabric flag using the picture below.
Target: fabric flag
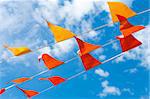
(126, 27)
(28, 93)
(50, 62)
(17, 51)
(128, 43)
(89, 61)
(60, 33)
(20, 80)
(55, 80)
(118, 8)
(2, 91)
(85, 47)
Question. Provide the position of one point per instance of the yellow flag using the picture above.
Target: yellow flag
(17, 51)
(118, 8)
(60, 33)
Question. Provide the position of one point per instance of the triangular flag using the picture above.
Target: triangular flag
(126, 27)
(17, 51)
(89, 61)
(55, 80)
(28, 93)
(60, 33)
(85, 47)
(119, 8)
(50, 62)
(2, 91)
(20, 80)
(128, 43)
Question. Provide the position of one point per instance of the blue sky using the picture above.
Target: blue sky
(126, 77)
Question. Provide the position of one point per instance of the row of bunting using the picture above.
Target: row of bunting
(127, 42)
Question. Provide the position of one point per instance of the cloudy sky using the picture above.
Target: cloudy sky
(22, 23)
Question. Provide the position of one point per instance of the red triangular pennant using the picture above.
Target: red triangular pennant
(89, 61)
(85, 47)
(128, 42)
(2, 91)
(28, 93)
(50, 62)
(126, 27)
(55, 80)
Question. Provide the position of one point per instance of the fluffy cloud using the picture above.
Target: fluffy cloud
(101, 72)
(109, 90)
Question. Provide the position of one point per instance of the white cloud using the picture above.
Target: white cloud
(132, 70)
(101, 72)
(141, 53)
(109, 90)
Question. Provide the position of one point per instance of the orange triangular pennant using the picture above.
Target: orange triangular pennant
(60, 33)
(50, 62)
(55, 80)
(20, 80)
(126, 27)
(85, 47)
(128, 43)
(89, 61)
(28, 93)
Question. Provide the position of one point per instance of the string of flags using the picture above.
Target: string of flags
(126, 39)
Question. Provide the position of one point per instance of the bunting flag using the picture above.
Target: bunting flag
(20, 80)
(126, 27)
(89, 61)
(85, 47)
(17, 51)
(60, 34)
(55, 80)
(50, 62)
(118, 8)
(28, 93)
(2, 91)
(128, 42)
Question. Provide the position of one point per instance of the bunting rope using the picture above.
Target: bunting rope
(45, 71)
(80, 73)
(94, 29)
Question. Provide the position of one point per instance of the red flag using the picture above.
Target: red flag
(55, 80)
(20, 80)
(28, 93)
(128, 42)
(126, 27)
(89, 61)
(50, 62)
(2, 91)
(85, 47)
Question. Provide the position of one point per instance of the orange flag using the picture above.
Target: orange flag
(126, 27)
(85, 47)
(17, 51)
(50, 62)
(55, 80)
(119, 8)
(20, 80)
(128, 43)
(60, 33)
(28, 93)
(2, 91)
(89, 61)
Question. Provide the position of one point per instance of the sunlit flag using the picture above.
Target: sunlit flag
(89, 61)
(55, 80)
(128, 43)
(50, 62)
(126, 27)
(85, 47)
(20, 80)
(28, 93)
(17, 51)
(119, 8)
(60, 34)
